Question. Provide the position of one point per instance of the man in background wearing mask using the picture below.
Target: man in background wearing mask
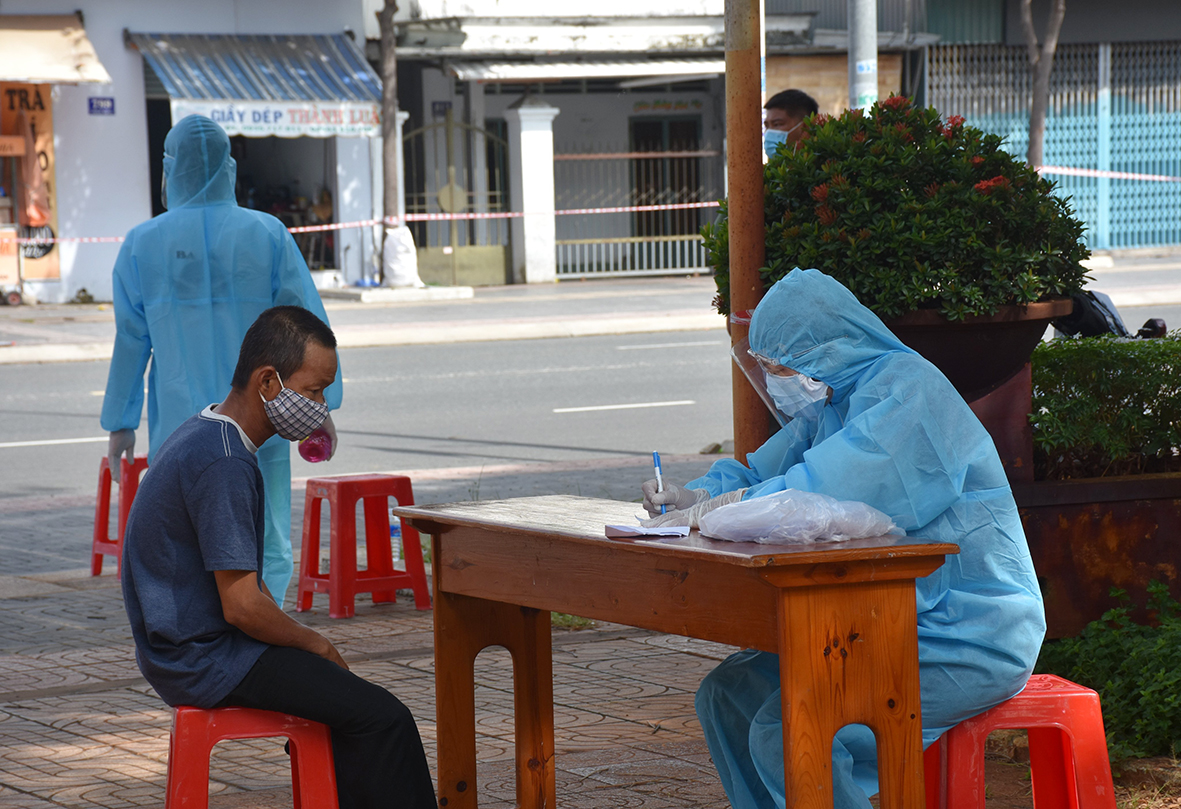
(187, 285)
(786, 112)
(867, 419)
(207, 632)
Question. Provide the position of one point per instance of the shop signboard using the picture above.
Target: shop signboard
(12, 146)
(41, 261)
(286, 119)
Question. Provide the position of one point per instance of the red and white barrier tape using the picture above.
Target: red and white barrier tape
(1112, 175)
(410, 217)
(473, 215)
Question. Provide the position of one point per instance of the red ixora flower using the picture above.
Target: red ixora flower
(985, 187)
(896, 102)
(859, 137)
(820, 193)
(953, 123)
(826, 215)
(977, 160)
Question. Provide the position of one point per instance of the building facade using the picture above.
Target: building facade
(107, 137)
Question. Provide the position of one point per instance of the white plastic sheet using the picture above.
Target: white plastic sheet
(793, 517)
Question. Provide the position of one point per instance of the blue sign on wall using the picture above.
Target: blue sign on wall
(101, 106)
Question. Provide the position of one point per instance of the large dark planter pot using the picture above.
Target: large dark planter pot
(979, 354)
(1087, 536)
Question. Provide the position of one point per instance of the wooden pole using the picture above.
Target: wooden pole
(744, 166)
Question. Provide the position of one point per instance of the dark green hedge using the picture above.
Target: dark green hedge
(1106, 406)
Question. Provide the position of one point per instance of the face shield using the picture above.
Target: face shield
(754, 373)
(786, 393)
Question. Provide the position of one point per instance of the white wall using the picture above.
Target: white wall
(102, 161)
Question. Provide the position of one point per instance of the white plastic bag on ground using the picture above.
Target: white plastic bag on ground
(400, 259)
(793, 517)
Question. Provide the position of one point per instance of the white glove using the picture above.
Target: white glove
(121, 442)
(330, 428)
(673, 496)
(694, 513)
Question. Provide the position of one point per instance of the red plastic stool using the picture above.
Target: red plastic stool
(196, 731)
(344, 581)
(129, 474)
(1067, 750)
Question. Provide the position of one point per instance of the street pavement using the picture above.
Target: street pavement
(68, 332)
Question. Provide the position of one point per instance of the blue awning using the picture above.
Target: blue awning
(260, 85)
(260, 68)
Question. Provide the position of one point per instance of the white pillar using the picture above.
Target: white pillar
(401, 118)
(531, 188)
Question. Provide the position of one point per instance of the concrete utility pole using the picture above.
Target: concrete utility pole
(744, 171)
(863, 53)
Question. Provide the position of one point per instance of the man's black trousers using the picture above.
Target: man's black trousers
(379, 757)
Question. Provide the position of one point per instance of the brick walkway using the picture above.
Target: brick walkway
(80, 728)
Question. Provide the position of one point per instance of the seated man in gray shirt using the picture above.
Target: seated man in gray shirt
(207, 632)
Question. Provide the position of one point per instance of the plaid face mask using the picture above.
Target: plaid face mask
(293, 415)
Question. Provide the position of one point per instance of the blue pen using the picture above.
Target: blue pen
(659, 481)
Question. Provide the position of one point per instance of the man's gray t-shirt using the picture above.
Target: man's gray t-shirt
(198, 509)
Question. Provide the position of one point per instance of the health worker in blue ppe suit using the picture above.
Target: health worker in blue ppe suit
(872, 421)
(187, 285)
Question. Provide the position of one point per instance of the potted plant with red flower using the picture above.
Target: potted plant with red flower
(930, 223)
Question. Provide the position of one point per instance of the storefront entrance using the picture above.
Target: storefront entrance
(286, 102)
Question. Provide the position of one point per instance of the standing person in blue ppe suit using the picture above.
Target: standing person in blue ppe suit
(871, 421)
(187, 286)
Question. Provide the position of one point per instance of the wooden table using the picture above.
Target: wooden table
(841, 616)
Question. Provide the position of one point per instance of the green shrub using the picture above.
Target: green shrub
(910, 212)
(1106, 406)
(1135, 668)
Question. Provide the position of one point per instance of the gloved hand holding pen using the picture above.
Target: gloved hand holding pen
(689, 513)
(672, 496)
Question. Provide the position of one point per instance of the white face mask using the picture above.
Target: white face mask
(798, 396)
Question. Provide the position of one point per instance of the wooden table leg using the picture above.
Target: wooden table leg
(849, 654)
(533, 692)
(463, 627)
(455, 699)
